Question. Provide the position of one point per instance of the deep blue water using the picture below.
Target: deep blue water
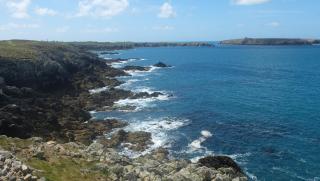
(262, 105)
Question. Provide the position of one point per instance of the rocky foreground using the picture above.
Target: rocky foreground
(45, 96)
(39, 160)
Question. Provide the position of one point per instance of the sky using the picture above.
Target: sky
(158, 20)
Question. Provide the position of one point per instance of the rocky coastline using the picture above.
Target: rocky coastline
(48, 133)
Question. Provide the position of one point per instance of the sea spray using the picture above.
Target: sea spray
(159, 129)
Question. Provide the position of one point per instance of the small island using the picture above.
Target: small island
(270, 41)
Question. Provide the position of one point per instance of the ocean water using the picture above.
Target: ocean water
(259, 105)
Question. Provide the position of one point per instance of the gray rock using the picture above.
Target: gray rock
(130, 176)
(42, 179)
(28, 177)
(4, 155)
(25, 169)
(12, 178)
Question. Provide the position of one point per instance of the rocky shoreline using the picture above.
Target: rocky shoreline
(45, 100)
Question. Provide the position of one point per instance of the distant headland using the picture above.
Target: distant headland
(270, 41)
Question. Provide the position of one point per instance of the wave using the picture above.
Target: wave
(196, 144)
(159, 129)
(121, 63)
(141, 103)
(127, 84)
(139, 73)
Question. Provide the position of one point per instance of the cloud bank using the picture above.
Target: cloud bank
(18, 8)
(101, 8)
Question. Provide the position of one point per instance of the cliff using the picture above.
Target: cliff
(269, 41)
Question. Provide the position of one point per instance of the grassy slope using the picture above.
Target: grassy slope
(56, 168)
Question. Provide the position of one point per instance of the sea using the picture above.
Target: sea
(260, 105)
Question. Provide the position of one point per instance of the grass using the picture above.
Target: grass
(57, 167)
(29, 50)
(61, 169)
(12, 143)
(11, 49)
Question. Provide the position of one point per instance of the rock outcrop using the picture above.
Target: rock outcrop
(135, 68)
(44, 89)
(161, 65)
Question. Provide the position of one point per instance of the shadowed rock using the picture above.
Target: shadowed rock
(220, 162)
(161, 64)
(135, 68)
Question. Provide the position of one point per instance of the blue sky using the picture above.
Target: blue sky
(157, 20)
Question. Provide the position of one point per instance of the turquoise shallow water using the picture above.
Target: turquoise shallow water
(262, 105)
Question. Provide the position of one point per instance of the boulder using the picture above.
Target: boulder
(12, 91)
(219, 162)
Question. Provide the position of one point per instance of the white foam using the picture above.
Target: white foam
(121, 63)
(196, 144)
(141, 103)
(98, 90)
(127, 84)
(159, 128)
(206, 134)
(140, 73)
(92, 112)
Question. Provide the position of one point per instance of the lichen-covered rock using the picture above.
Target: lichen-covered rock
(96, 162)
(13, 169)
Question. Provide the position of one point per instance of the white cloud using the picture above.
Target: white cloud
(12, 26)
(102, 30)
(249, 2)
(166, 11)
(163, 28)
(62, 29)
(273, 24)
(101, 8)
(45, 11)
(18, 8)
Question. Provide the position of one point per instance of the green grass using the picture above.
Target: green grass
(17, 50)
(24, 49)
(57, 167)
(13, 143)
(62, 169)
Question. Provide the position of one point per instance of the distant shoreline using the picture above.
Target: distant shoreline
(270, 41)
